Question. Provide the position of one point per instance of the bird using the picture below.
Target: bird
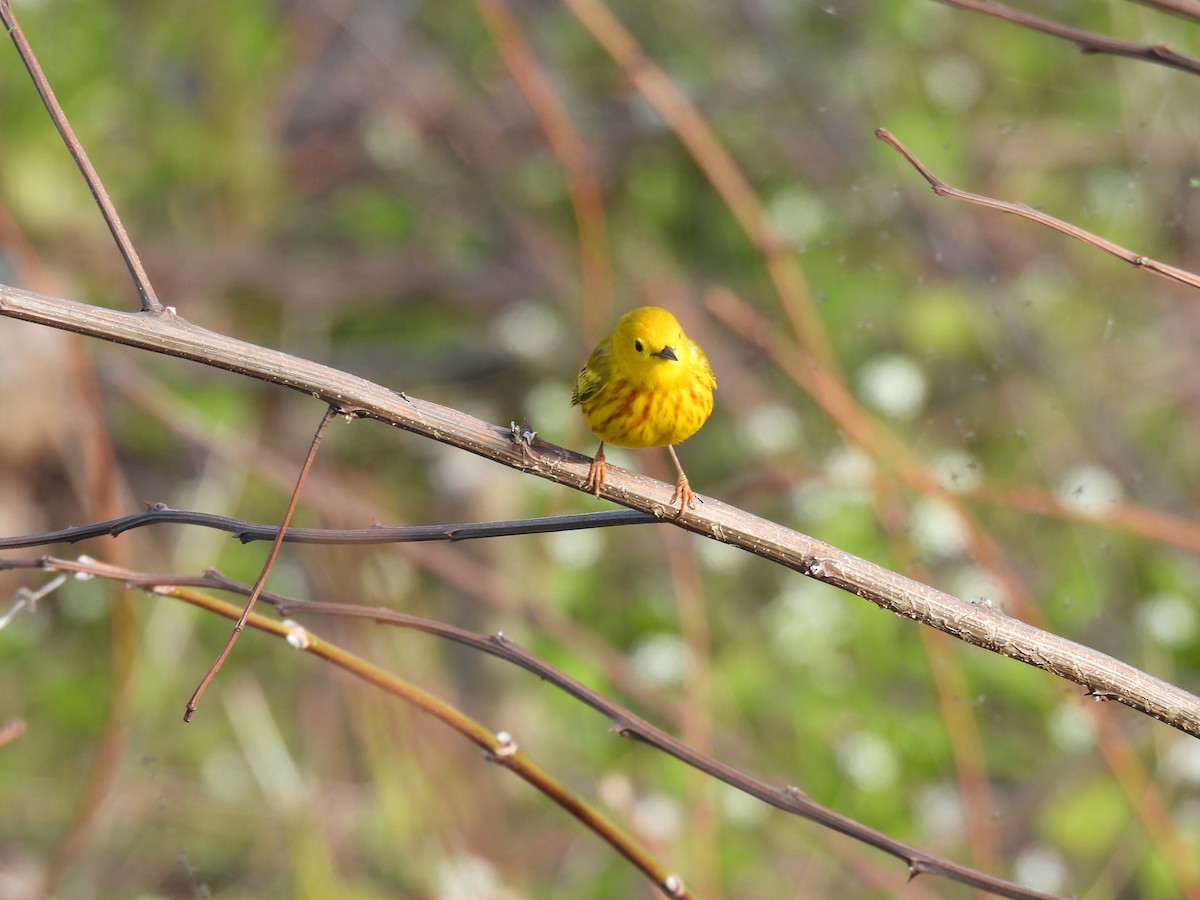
(645, 385)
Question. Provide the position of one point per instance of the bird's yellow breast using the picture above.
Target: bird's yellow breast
(663, 406)
(646, 384)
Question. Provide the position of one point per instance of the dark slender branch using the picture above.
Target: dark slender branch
(977, 623)
(1086, 41)
(625, 722)
(629, 725)
(246, 532)
(1027, 212)
(150, 302)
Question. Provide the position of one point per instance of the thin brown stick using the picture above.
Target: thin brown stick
(94, 460)
(267, 566)
(696, 696)
(979, 623)
(1178, 852)
(719, 166)
(625, 722)
(1086, 41)
(1026, 212)
(571, 151)
(1153, 524)
(342, 498)
(959, 719)
(133, 262)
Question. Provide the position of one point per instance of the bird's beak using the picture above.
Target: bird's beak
(667, 352)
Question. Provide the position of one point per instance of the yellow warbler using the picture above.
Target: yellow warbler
(645, 385)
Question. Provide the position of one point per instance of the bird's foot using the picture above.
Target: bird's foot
(597, 473)
(683, 495)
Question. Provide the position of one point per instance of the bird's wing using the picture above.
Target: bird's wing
(707, 375)
(593, 376)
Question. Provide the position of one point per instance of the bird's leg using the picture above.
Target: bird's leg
(683, 490)
(597, 472)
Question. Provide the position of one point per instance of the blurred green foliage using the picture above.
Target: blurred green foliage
(365, 185)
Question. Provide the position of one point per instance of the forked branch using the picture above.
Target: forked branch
(1086, 41)
(1027, 212)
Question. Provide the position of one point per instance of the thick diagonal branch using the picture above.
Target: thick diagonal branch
(977, 623)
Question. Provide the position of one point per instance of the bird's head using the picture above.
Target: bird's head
(649, 337)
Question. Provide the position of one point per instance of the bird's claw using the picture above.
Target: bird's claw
(596, 475)
(684, 495)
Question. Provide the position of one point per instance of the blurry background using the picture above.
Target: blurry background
(364, 183)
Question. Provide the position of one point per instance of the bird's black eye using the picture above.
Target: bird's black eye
(637, 345)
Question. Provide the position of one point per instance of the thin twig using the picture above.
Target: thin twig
(141, 280)
(571, 151)
(1027, 212)
(267, 566)
(27, 600)
(719, 167)
(1086, 41)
